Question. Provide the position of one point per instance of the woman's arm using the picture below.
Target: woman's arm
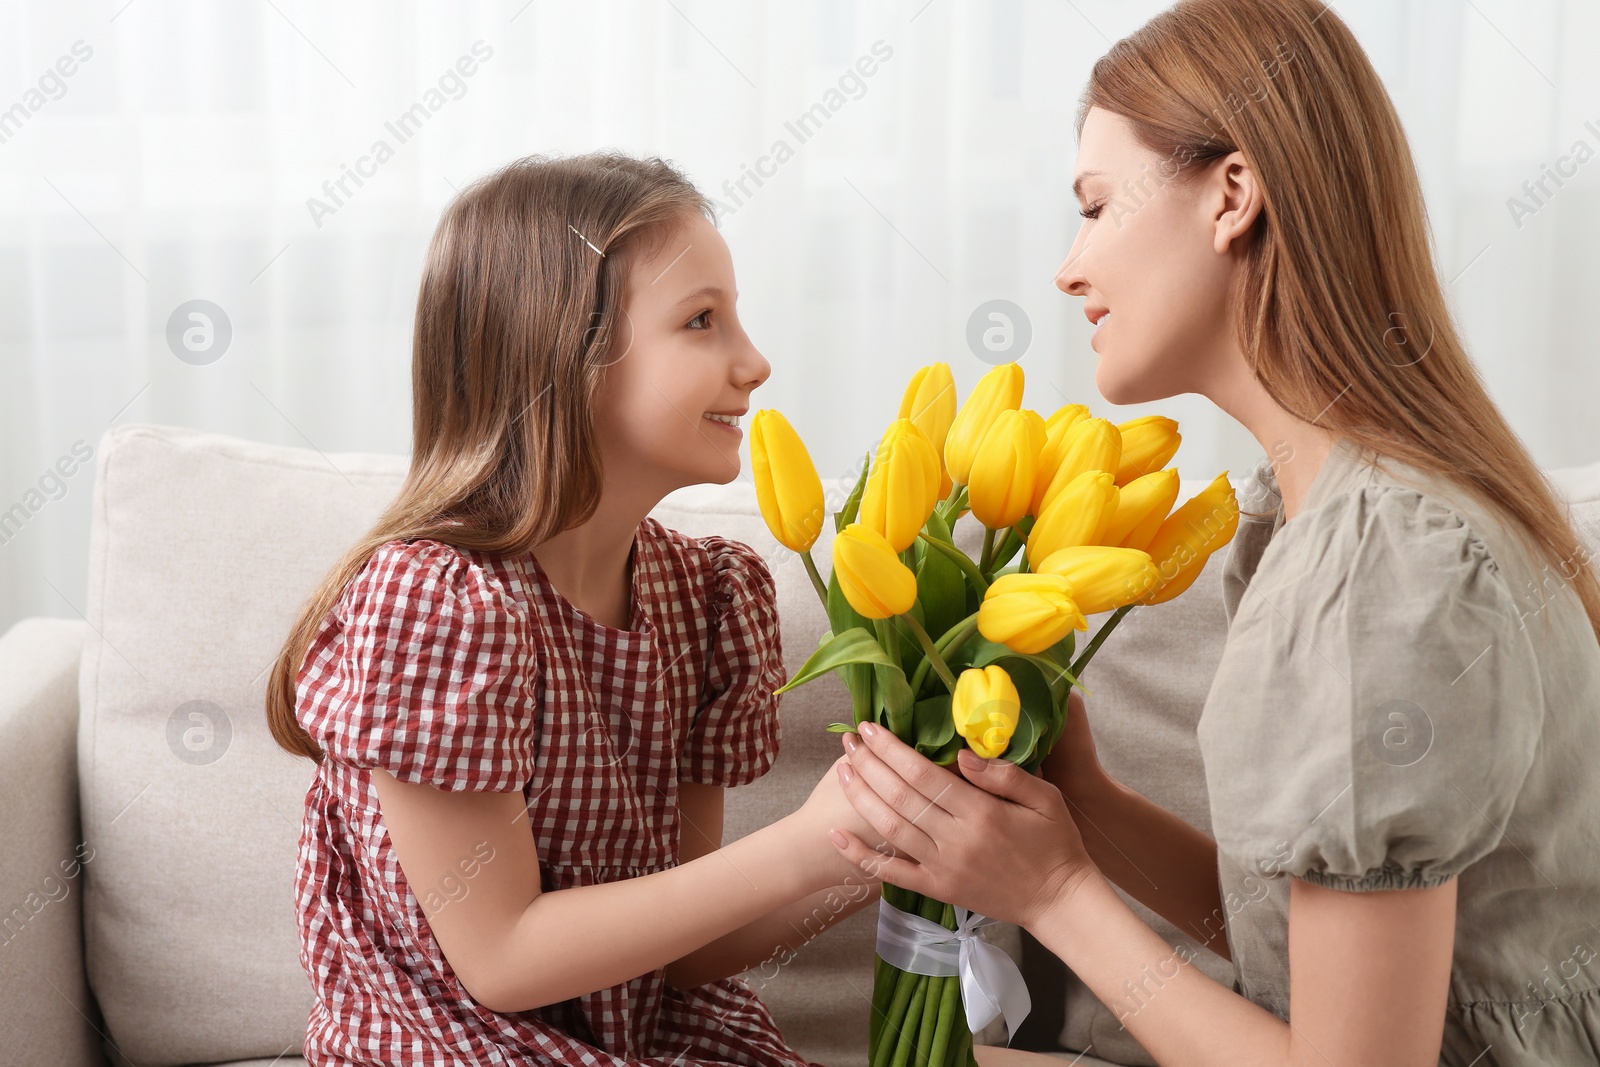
(516, 948)
(1369, 971)
(1369, 977)
(1151, 854)
(1155, 857)
(772, 940)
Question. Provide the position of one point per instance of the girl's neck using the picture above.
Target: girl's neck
(589, 564)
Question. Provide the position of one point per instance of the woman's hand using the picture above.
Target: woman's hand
(993, 838)
(1073, 766)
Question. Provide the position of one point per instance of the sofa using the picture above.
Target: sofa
(149, 821)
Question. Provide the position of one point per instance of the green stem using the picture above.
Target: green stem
(906, 1039)
(931, 652)
(950, 505)
(988, 551)
(948, 645)
(1099, 638)
(894, 1018)
(950, 1017)
(960, 559)
(930, 1020)
(816, 579)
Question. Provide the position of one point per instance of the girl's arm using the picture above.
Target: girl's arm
(772, 940)
(515, 948)
(1151, 854)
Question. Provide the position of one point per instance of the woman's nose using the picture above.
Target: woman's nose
(1069, 276)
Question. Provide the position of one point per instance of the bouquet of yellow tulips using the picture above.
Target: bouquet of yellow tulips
(948, 652)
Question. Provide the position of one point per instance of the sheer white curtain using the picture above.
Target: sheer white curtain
(158, 152)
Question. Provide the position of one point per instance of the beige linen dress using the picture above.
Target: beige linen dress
(1408, 695)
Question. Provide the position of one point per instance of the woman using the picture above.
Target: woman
(1406, 714)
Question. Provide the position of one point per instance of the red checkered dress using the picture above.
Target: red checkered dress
(471, 672)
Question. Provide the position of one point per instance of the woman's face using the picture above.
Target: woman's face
(1148, 253)
(682, 355)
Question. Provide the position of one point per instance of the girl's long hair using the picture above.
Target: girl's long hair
(519, 313)
(1341, 313)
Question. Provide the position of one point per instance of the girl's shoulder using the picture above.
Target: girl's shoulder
(425, 668)
(411, 577)
(716, 568)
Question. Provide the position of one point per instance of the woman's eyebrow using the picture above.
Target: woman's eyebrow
(1077, 185)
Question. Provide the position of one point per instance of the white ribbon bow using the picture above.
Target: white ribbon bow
(991, 983)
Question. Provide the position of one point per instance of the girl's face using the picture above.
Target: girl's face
(681, 357)
(1153, 261)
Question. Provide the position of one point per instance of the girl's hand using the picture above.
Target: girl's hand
(993, 838)
(826, 809)
(1073, 766)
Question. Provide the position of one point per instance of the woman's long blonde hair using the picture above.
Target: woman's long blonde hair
(1341, 313)
(519, 311)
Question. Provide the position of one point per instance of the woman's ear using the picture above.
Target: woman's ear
(1237, 200)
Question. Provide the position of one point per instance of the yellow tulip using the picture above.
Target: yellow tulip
(986, 709)
(788, 490)
(1090, 445)
(1055, 435)
(1189, 535)
(1148, 443)
(903, 485)
(1073, 516)
(930, 402)
(1029, 612)
(1141, 506)
(997, 391)
(1005, 469)
(871, 576)
(1102, 578)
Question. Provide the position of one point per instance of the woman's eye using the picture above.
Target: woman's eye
(703, 318)
(1092, 212)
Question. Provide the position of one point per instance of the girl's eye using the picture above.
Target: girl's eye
(1092, 212)
(698, 318)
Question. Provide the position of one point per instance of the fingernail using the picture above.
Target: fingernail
(837, 838)
(850, 742)
(868, 729)
(844, 772)
(972, 761)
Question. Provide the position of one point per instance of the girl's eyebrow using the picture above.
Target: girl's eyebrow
(705, 292)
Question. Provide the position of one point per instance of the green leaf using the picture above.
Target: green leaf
(841, 728)
(893, 699)
(941, 586)
(857, 677)
(853, 646)
(933, 727)
(946, 754)
(852, 503)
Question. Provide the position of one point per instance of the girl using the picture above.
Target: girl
(1406, 714)
(525, 695)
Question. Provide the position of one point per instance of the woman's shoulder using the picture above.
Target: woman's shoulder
(1389, 517)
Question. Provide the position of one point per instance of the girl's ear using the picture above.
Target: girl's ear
(1236, 198)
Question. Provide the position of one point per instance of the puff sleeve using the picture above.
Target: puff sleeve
(425, 668)
(734, 736)
(1378, 703)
